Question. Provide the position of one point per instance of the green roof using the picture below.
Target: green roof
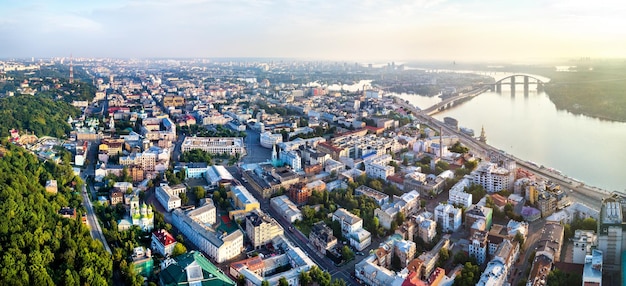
(177, 272)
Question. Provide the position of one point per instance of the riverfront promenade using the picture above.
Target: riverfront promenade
(591, 196)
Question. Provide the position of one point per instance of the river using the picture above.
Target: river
(531, 128)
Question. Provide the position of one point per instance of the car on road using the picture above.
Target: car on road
(359, 253)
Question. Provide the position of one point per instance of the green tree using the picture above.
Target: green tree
(305, 278)
(470, 274)
(179, 249)
(265, 283)
(183, 198)
(199, 192)
(347, 253)
(283, 281)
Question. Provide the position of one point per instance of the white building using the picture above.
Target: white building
(352, 228)
(492, 177)
(427, 230)
(268, 139)
(592, 271)
(494, 274)
(215, 145)
(583, 241)
(163, 242)
(378, 167)
(448, 217)
(206, 213)
(168, 197)
(217, 174)
(288, 210)
(219, 246)
(293, 159)
(458, 196)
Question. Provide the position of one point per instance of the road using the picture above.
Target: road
(591, 196)
(535, 231)
(298, 238)
(92, 221)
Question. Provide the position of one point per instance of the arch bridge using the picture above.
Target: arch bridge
(510, 79)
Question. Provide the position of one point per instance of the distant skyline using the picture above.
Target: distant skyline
(359, 30)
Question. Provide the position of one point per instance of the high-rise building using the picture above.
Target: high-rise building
(611, 236)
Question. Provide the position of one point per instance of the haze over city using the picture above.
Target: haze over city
(344, 30)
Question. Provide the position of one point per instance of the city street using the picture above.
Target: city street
(92, 220)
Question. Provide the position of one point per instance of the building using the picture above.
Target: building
(173, 101)
(458, 196)
(322, 238)
(261, 228)
(219, 246)
(352, 228)
(592, 271)
(287, 209)
(242, 201)
(583, 241)
(492, 177)
(192, 268)
(427, 230)
(476, 213)
(405, 251)
(379, 197)
(141, 215)
(168, 197)
(163, 242)
(546, 203)
(448, 217)
(292, 258)
(478, 247)
(233, 146)
(205, 213)
(494, 274)
(217, 175)
(254, 264)
(407, 204)
(299, 193)
(378, 167)
(268, 139)
(51, 186)
(611, 236)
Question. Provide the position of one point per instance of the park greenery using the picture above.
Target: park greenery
(39, 247)
(470, 274)
(38, 115)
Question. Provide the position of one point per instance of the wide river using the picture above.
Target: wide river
(531, 128)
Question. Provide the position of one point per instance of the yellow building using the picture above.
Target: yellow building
(243, 201)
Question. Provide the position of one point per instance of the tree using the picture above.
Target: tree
(347, 253)
(199, 192)
(179, 249)
(376, 185)
(265, 283)
(470, 274)
(283, 281)
(183, 198)
(305, 278)
(444, 255)
(519, 237)
(400, 218)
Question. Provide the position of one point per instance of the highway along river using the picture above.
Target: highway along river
(531, 128)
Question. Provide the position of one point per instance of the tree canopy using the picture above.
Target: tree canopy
(39, 247)
(39, 115)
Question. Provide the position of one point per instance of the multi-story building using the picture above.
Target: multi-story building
(299, 193)
(379, 197)
(546, 203)
(611, 232)
(173, 101)
(378, 167)
(583, 241)
(427, 230)
(448, 217)
(169, 197)
(352, 228)
(322, 238)
(592, 271)
(478, 246)
(458, 196)
(268, 139)
(492, 177)
(407, 204)
(476, 213)
(219, 246)
(243, 201)
(495, 274)
(261, 228)
(405, 251)
(205, 213)
(287, 209)
(293, 159)
(215, 145)
(163, 242)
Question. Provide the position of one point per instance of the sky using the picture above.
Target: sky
(363, 30)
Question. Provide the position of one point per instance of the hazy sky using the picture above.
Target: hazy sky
(314, 29)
